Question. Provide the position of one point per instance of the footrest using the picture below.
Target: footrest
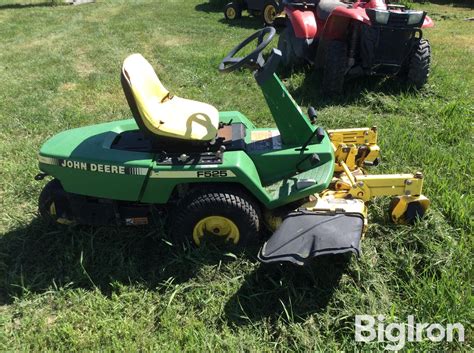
(306, 234)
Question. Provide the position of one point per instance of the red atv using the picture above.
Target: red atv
(353, 39)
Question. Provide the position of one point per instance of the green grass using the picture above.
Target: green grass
(129, 289)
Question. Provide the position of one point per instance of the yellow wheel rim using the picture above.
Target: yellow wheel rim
(216, 226)
(52, 209)
(231, 13)
(269, 14)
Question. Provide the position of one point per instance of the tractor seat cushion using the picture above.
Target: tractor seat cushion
(160, 113)
(325, 7)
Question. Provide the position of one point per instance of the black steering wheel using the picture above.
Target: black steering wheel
(254, 59)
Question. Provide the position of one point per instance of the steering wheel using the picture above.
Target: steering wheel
(231, 63)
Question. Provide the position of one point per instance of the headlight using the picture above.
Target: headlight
(378, 16)
(414, 17)
(382, 17)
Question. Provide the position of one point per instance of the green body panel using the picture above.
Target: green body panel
(269, 167)
(294, 127)
(91, 145)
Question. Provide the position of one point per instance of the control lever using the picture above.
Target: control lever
(312, 114)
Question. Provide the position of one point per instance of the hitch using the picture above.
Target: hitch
(355, 147)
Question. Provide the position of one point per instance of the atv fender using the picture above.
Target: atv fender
(303, 23)
(339, 20)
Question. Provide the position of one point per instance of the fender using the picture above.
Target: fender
(339, 20)
(303, 22)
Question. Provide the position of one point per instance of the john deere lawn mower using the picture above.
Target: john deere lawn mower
(217, 175)
(269, 10)
(351, 39)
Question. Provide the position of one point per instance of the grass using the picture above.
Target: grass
(129, 289)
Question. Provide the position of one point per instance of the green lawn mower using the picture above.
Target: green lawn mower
(218, 176)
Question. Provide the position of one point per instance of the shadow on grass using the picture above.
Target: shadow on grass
(248, 22)
(24, 6)
(212, 6)
(35, 257)
(456, 3)
(311, 92)
(288, 291)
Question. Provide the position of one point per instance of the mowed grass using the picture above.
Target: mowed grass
(132, 289)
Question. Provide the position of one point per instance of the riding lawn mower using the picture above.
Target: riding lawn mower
(219, 177)
(350, 39)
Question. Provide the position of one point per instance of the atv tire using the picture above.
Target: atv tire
(231, 214)
(419, 65)
(270, 11)
(232, 11)
(335, 65)
(288, 55)
(53, 204)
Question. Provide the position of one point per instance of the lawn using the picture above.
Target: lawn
(131, 289)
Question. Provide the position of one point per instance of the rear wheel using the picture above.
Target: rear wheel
(335, 65)
(53, 204)
(270, 11)
(232, 11)
(225, 215)
(419, 65)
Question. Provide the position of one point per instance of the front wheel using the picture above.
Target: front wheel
(53, 204)
(270, 11)
(419, 64)
(223, 214)
(232, 11)
(410, 212)
(335, 65)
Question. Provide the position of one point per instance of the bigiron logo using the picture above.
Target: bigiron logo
(397, 334)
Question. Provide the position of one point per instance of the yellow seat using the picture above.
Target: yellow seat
(163, 114)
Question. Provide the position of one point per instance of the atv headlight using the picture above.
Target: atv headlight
(382, 17)
(414, 17)
(379, 16)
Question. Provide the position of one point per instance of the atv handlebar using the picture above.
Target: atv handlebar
(255, 59)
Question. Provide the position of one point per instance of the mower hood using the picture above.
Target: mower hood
(304, 235)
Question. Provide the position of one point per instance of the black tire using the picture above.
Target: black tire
(269, 12)
(232, 11)
(288, 55)
(419, 65)
(335, 65)
(414, 212)
(53, 204)
(228, 202)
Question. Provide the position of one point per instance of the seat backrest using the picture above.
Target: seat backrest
(138, 73)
